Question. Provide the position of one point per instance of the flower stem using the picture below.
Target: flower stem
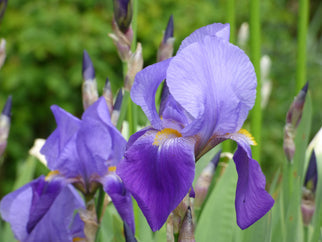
(255, 53)
(231, 19)
(301, 44)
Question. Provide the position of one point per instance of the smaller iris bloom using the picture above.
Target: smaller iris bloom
(79, 152)
(209, 89)
(44, 210)
(85, 152)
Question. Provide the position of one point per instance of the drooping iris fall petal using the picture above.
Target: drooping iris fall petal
(152, 165)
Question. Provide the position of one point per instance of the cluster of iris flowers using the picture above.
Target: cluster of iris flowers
(209, 86)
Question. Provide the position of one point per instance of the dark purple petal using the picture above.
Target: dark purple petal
(121, 198)
(144, 88)
(216, 29)
(211, 71)
(43, 196)
(41, 211)
(252, 200)
(67, 126)
(158, 170)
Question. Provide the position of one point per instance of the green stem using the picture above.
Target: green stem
(231, 19)
(255, 53)
(301, 44)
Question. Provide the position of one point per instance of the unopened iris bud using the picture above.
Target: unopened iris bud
(165, 50)
(122, 41)
(89, 88)
(307, 206)
(293, 119)
(3, 5)
(135, 65)
(2, 52)
(117, 107)
(5, 124)
(108, 95)
(187, 228)
(204, 181)
(123, 11)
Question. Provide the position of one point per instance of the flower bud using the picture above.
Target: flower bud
(3, 5)
(5, 125)
(204, 181)
(135, 65)
(89, 88)
(165, 50)
(2, 52)
(117, 107)
(122, 41)
(108, 95)
(187, 228)
(293, 119)
(265, 66)
(123, 11)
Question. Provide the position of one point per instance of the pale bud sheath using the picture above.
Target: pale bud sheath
(187, 228)
(293, 119)
(2, 52)
(89, 87)
(5, 125)
(108, 95)
(135, 64)
(165, 50)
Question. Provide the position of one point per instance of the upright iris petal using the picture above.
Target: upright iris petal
(209, 89)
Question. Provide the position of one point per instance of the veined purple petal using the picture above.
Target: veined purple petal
(121, 198)
(215, 29)
(67, 126)
(211, 71)
(252, 200)
(158, 170)
(144, 88)
(99, 112)
(173, 115)
(41, 210)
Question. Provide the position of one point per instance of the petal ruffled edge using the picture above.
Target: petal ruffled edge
(216, 29)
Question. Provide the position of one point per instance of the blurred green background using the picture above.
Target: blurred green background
(46, 39)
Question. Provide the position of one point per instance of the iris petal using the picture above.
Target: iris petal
(215, 29)
(220, 85)
(121, 198)
(160, 175)
(67, 126)
(144, 88)
(252, 200)
(46, 208)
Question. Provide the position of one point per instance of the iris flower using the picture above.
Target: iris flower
(83, 153)
(44, 210)
(210, 86)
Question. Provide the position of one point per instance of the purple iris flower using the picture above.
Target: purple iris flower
(86, 153)
(209, 89)
(80, 152)
(44, 209)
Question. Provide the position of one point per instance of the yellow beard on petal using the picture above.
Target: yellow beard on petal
(249, 136)
(51, 174)
(165, 134)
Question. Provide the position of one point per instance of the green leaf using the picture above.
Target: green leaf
(218, 219)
